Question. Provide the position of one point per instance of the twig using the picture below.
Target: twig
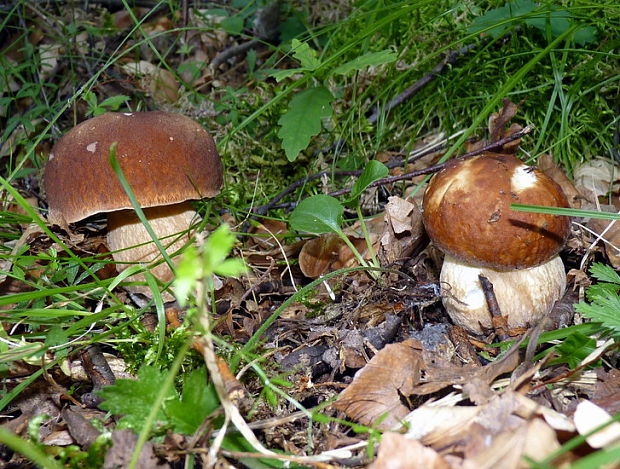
(265, 30)
(381, 182)
(421, 83)
(273, 203)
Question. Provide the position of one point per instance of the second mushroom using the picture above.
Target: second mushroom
(167, 159)
(467, 215)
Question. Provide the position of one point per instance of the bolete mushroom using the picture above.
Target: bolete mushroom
(168, 160)
(467, 215)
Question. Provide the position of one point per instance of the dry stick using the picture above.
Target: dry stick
(422, 82)
(390, 179)
(497, 319)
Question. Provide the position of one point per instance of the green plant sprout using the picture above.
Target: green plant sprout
(308, 108)
(112, 103)
(322, 213)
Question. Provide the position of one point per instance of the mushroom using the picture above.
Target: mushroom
(467, 215)
(168, 160)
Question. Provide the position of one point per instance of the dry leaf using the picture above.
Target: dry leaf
(400, 452)
(498, 121)
(589, 416)
(610, 234)
(476, 379)
(555, 172)
(160, 84)
(262, 235)
(403, 230)
(607, 390)
(317, 255)
(597, 177)
(506, 450)
(376, 390)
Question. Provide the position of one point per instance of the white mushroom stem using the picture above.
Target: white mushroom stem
(130, 243)
(524, 296)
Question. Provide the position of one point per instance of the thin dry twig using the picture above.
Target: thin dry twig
(421, 83)
(387, 180)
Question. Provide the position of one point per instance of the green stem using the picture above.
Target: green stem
(371, 249)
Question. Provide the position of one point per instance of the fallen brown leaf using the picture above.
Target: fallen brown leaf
(589, 416)
(400, 452)
(374, 396)
(403, 231)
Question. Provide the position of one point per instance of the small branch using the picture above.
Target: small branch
(500, 322)
(273, 204)
(421, 83)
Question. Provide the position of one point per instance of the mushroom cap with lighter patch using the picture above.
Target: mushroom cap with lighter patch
(467, 212)
(167, 158)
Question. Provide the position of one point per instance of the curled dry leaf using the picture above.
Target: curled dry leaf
(498, 122)
(400, 452)
(609, 230)
(317, 255)
(403, 230)
(597, 177)
(262, 235)
(328, 253)
(546, 164)
(374, 396)
(160, 84)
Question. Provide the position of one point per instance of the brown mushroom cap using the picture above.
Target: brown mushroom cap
(167, 158)
(467, 213)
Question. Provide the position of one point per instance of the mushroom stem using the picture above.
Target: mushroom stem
(131, 243)
(525, 296)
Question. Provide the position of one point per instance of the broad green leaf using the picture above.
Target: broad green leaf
(231, 268)
(305, 54)
(302, 120)
(133, 399)
(198, 400)
(317, 214)
(604, 310)
(114, 102)
(232, 24)
(496, 21)
(373, 171)
(280, 75)
(366, 60)
(585, 35)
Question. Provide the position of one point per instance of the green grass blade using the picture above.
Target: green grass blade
(568, 212)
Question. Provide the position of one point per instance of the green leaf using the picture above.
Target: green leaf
(232, 25)
(280, 75)
(305, 54)
(231, 268)
(114, 102)
(302, 121)
(585, 35)
(573, 350)
(373, 171)
(198, 400)
(604, 273)
(218, 247)
(366, 60)
(317, 214)
(496, 21)
(188, 272)
(604, 309)
(56, 336)
(133, 399)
